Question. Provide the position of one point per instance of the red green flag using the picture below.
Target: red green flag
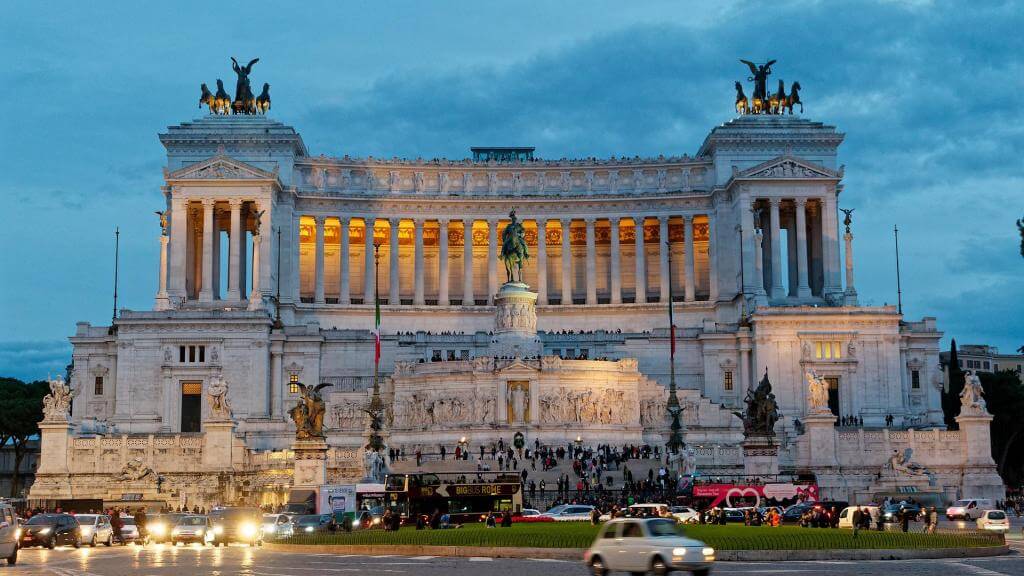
(376, 331)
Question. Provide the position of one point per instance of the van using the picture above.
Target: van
(846, 516)
(10, 533)
(968, 508)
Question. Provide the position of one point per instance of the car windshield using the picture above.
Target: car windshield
(662, 528)
(556, 509)
(87, 519)
(307, 520)
(996, 515)
(192, 521)
(42, 519)
(961, 503)
(233, 515)
(128, 520)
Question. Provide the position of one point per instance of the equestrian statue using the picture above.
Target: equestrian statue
(514, 251)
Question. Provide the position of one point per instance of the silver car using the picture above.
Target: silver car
(96, 529)
(640, 545)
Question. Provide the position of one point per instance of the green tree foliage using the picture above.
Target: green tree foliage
(21, 408)
(1004, 395)
(1020, 228)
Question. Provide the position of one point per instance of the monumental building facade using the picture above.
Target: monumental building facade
(270, 258)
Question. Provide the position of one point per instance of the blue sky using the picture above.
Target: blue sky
(928, 93)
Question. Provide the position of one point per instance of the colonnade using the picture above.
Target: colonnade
(565, 247)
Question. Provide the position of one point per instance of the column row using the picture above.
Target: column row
(572, 261)
(803, 263)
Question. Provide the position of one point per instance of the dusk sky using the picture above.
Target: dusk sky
(929, 95)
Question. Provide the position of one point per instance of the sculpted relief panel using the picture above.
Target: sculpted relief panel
(444, 408)
(571, 406)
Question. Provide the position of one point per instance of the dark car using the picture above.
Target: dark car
(891, 513)
(243, 525)
(51, 530)
(796, 511)
(310, 523)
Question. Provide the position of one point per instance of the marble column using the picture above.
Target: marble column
(318, 284)
(751, 285)
(777, 290)
(616, 262)
(492, 260)
(467, 263)
(850, 295)
(830, 239)
(418, 297)
(641, 268)
(566, 261)
(691, 278)
(369, 277)
(178, 249)
(591, 263)
(394, 253)
(162, 302)
(712, 260)
(255, 298)
(664, 247)
(234, 246)
(276, 390)
(218, 294)
(345, 289)
(542, 263)
(206, 292)
(803, 288)
(296, 251)
(442, 263)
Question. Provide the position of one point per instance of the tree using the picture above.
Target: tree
(954, 385)
(1020, 228)
(21, 405)
(1004, 396)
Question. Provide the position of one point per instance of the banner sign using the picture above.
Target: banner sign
(770, 492)
(337, 498)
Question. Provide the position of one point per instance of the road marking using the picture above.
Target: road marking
(548, 560)
(423, 557)
(979, 570)
(480, 559)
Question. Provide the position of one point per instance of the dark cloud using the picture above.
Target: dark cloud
(34, 360)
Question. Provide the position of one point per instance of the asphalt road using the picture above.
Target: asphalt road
(159, 560)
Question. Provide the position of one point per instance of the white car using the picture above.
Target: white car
(531, 512)
(846, 516)
(96, 529)
(570, 512)
(10, 534)
(994, 520)
(685, 514)
(278, 526)
(641, 545)
(968, 508)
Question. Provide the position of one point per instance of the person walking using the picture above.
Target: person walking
(904, 520)
(933, 520)
(858, 516)
(116, 524)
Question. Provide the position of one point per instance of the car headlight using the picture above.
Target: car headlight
(679, 551)
(158, 529)
(43, 532)
(269, 528)
(376, 521)
(218, 529)
(200, 533)
(175, 532)
(708, 551)
(17, 534)
(309, 528)
(248, 530)
(355, 523)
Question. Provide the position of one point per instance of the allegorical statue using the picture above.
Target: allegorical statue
(244, 101)
(762, 410)
(513, 248)
(759, 75)
(308, 413)
(134, 469)
(971, 397)
(163, 221)
(902, 463)
(217, 393)
(57, 404)
(817, 393)
(849, 217)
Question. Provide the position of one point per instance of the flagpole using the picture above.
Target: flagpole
(117, 258)
(675, 440)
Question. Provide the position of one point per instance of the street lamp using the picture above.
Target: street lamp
(376, 404)
(675, 439)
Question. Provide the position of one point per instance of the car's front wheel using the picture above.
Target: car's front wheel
(92, 541)
(658, 567)
(51, 543)
(597, 567)
(13, 558)
(78, 542)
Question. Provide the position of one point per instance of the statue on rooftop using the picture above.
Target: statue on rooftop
(514, 251)
(759, 75)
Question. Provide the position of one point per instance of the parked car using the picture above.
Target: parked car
(891, 513)
(96, 529)
(278, 526)
(51, 530)
(570, 512)
(640, 545)
(310, 523)
(735, 514)
(10, 533)
(530, 512)
(796, 511)
(994, 520)
(846, 515)
(237, 524)
(685, 514)
(192, 528)
(159, 526)
(968, 508)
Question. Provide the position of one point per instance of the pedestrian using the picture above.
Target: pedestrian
(140, 522)
(933, 520)
(481, 451)
(116, 524)
(858, 516)
(904, 520)
(443, 451)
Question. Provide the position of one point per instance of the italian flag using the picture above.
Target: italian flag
(376, 331)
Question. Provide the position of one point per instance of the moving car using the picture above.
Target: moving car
(891, 513)
(51, 530)
(530, 512)
(243, 525)
(570, 512)
(130, 530)
(968, 508)
(735, 514)
(278, 526)
(158, 526)
(192, 528)
(640, 545)
(366, 519)
(685, 514)
(994, 520)
(9, 534)
(309, 523)
(96, 529)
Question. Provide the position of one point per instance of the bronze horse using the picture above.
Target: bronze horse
(793, 98)
(742, 104)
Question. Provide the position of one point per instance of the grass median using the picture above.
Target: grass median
(581, 535)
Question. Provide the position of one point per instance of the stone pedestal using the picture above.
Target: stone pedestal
(821, 439)
(218, 437)
(760, 456)
(515, 323)
(53, 478)
(310, 463)
(980, 478)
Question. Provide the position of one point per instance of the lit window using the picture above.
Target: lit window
(727, 381)
(915, 379)
(293, 383)
(827, 350)
(98, 388)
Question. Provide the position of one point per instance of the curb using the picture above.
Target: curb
(576, 554)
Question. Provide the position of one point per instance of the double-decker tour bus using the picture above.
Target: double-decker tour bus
(465, 497)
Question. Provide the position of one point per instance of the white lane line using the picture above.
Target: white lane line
(423, 557)
(548, 560)
(480, 559)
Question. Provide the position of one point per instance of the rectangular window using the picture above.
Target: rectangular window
(464, 354)
(828, 350)
(191, 353)
(833, 394)
(293, 383)
(202, 353)
(584, 353)
(986, 364)
(181, 354)
(556, 351)
(915, 379)
(98, 386)
(191, 406)
(727, 381)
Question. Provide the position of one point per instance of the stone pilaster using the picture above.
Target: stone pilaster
(616, 262)
(639, 258)
(542, 262)
(566, 261)
(206, 292)
(394, 254)
(691, 279)
(318, 286)
(803, 288)
(345, 287)
(591, 264)
(777, 289)
(468, 299)
(234, 245)
(369, 290)
(664, 246)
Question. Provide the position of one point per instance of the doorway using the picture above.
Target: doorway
(191, 406)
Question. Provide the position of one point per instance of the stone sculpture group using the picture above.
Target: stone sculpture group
(57, 404)
(571, 406)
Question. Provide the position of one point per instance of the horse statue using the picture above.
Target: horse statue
(221, 100)
(513, 248)
(793, 98)
(742, 105)
(263, 100)
(206, 97)
(777, 101)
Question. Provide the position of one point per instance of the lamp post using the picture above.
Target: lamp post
(376, 404)
(675, 439)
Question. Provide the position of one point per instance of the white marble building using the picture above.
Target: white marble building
(749, 223)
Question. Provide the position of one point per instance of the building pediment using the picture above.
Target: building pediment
(516, 366)
(787, 168)
(221, 167)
